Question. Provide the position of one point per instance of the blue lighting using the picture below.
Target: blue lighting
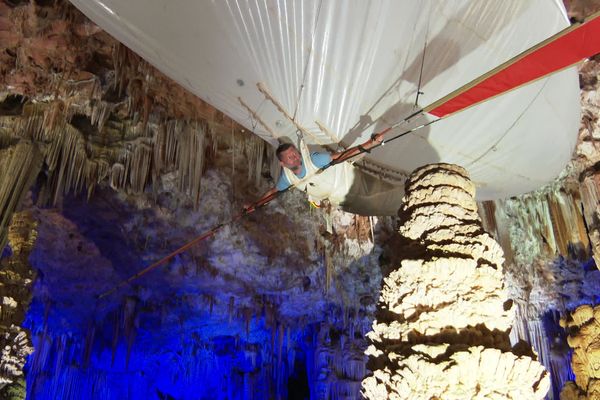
(172, 361)
(7, 252)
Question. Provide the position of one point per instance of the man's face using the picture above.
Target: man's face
(290, 158)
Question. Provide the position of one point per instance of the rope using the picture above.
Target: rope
(423, 59)
(258, 204)
(164, 259)
(344, 156)
(312, 45)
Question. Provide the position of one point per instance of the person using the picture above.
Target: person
(296, 163)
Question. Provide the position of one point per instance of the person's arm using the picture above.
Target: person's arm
(251, 207)
(282, 184)
(374, 141)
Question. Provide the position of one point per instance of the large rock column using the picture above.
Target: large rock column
(443, 317)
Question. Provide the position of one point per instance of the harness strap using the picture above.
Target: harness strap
(362, 149)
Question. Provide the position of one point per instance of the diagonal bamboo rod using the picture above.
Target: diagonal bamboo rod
(263, 89)
(257, 118)
(329, 134)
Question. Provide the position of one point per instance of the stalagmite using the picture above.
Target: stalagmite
(441, 330)
(583, 326)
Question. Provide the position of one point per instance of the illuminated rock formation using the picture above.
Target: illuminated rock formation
(443, 319)
(583, 326)
(587, 152)
(551, 239)
(16, 278)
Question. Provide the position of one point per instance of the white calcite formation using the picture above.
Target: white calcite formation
(17, 347)
(16, 278)
(443, 317)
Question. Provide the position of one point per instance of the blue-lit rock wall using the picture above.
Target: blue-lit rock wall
(271, 313)
(207, 357)
(278, 311)
(129, 356)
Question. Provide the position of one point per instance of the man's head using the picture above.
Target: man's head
(289, 156)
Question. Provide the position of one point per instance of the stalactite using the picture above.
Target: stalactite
(76, 162)
(280, 341)
(101, 110)
(247, 319)
(591, 199)
(60, 350)
(273, 335)
(329, 268)
(542, 224)
(190, 159)
(230, 308)
(269, 313)
(139, 166)
(443, 317)
(32, 124)
(122, 65)
(255, 150)
(88, 345)
(117, 176)
(129, 321)
(130, 343)
(214, 139)
(19, 167)
(165, 146)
